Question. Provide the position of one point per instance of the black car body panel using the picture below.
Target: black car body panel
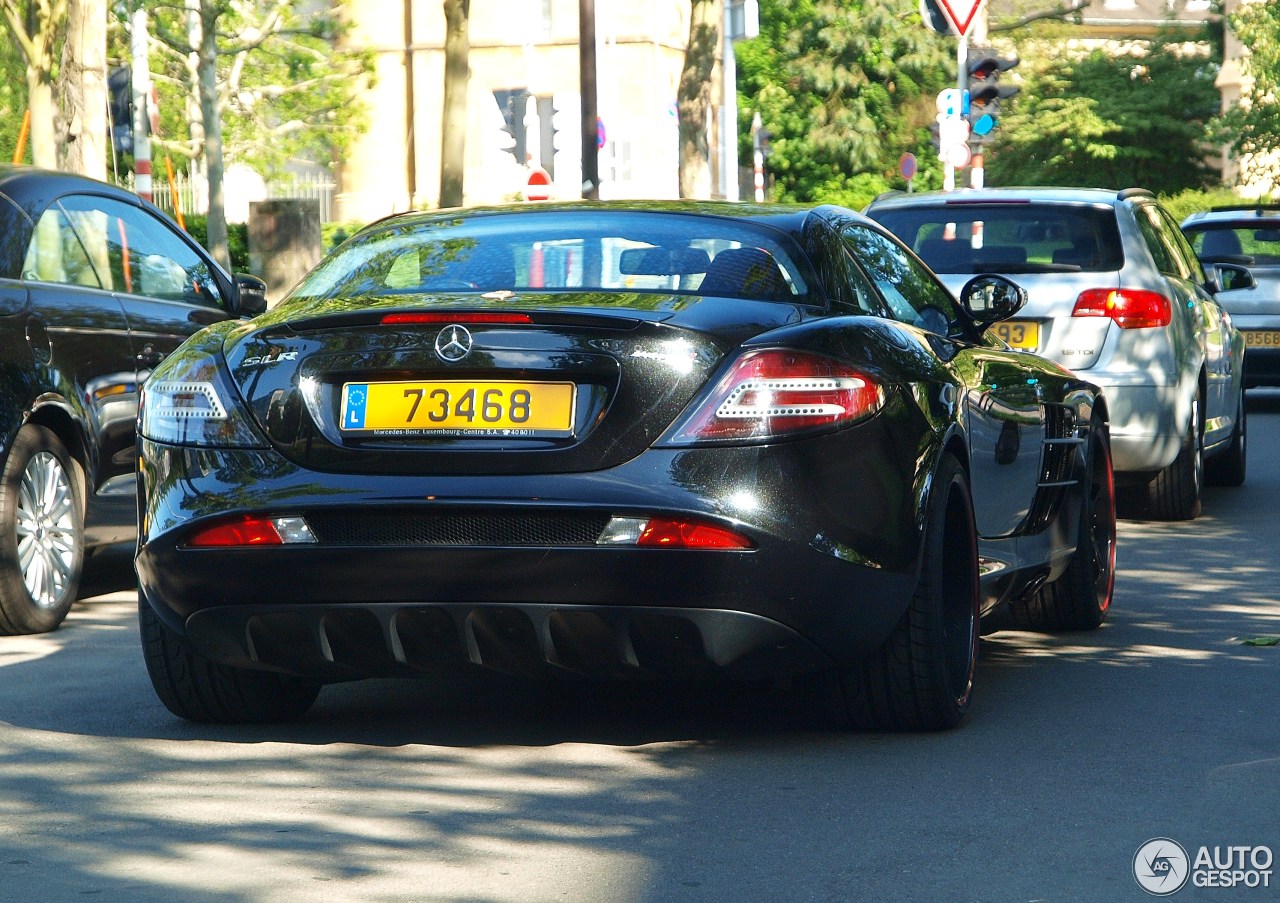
(96, 287)
(435, 553)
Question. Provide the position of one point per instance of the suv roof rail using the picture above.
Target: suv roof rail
(1126, 193)
(1257, 206)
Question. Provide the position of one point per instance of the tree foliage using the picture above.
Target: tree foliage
(1109, 119)
(845, 87)
(287, 90)
(1252, 127)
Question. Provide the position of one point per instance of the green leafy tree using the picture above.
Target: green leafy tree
(1252, 127)
(259, 82)
(845, 87)
(1108, 119)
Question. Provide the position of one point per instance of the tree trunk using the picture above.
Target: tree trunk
(453, 126)
(701, 62)
(37, 49)
(44, 151)
(81, 91)
(217, 219)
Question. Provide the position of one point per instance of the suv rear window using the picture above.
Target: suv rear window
(1229, 241)
(1008, 237)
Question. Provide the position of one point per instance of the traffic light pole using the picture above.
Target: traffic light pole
(962, 78)
(141, 99)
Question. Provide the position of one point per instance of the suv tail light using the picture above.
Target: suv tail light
(777, 392)
(1130, 308)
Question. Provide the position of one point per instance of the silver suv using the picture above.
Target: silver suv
(1116, 293)
(1242, 246)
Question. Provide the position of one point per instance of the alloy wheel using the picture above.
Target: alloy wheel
(46, 528)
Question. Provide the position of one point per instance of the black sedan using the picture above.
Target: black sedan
(96, 287)
(647, 440)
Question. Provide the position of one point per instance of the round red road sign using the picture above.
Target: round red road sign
(538, 187)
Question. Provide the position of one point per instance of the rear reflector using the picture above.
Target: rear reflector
(464, 316)
(248, 530)
(670, 533)
(1130, 308)
(777, 392)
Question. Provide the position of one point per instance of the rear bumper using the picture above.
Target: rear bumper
(1147, 422)
(833, 566)
(344, 642)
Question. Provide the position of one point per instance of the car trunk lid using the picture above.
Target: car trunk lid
(555, 383)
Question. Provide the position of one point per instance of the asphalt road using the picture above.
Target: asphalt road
(1079, 749)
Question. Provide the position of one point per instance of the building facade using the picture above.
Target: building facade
(523, 102)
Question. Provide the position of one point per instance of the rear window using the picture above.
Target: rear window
(1008, 237)
(571, 252)
(1261, 243)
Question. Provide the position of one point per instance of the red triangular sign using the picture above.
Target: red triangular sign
(961, 13)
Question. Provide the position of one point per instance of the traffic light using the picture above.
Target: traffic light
(514, 106)
(985, 90)
(120, 101)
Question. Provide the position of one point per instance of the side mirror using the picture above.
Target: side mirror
(1228, 276)
(253, 295)
(990, 298)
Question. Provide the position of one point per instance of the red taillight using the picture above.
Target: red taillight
(1130, 308)
(243, 531)
(683, 534)
(776, 392)
(466, 316)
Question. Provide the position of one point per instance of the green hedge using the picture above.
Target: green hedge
(1185, 203)
(237, 240)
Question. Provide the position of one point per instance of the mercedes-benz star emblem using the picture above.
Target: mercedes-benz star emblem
(453, 344)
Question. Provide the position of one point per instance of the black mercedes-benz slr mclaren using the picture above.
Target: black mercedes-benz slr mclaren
(642, 440)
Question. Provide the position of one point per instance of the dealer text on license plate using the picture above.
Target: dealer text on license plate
(1023, 334)
(455, 408)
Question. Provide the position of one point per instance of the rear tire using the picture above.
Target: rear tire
(197, 689)
(1081, 597)
(921, 679)
(41, 533)
(1228, 468)
(1174, 493)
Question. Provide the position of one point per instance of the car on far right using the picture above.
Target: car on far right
(1114, 293)
(1242, 244)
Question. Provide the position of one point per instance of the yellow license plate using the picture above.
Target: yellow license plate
(1262, 338)
(448, 408)
(1024, 334)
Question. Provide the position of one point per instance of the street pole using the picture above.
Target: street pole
(757, 156)
(590, 114)
(141, 103)
(729, 113)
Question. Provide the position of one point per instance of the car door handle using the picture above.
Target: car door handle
(149, 357)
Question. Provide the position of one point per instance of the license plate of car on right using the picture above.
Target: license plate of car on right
(1023, 334)
(1261, 338)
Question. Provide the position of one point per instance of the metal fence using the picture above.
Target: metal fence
(192, 199)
